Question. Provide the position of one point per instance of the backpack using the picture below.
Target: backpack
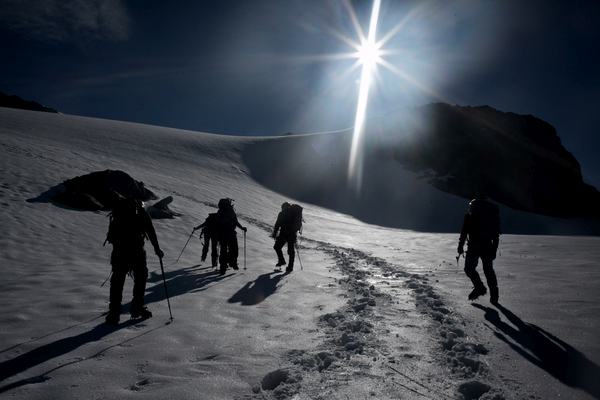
(485, 219)
(295, 212)
(225, 218)
(210, 224)
(126, 226)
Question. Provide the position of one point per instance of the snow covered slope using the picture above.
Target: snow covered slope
(375, 313)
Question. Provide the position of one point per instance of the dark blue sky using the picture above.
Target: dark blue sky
(263, 67)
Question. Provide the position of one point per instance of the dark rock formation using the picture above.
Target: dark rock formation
(161, 209)
(518, 160)
(421, 166)
(96, 191)
(17, 102)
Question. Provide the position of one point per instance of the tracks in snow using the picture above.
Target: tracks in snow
(395, 337)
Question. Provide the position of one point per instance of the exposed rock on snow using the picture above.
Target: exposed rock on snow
(96, 191)
(161, 209)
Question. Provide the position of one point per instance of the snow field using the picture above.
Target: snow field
(376, 312)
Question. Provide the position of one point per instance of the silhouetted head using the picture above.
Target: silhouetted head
(285, 206)
(481, 190)
(225, 204)
(126, 207)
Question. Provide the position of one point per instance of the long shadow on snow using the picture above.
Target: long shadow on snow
(545, 350)
(254, 292)
(35, 339)
(52, 350)
(182, 281)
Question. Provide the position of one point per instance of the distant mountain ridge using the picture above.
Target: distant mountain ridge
(422, 165)
(12, 101)
(518, 160)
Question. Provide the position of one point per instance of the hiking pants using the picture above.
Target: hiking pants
(214, 249)
(123, 262)
(229, 251)
(282, 241)
(471, 260)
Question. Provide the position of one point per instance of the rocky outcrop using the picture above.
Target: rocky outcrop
(17, 102)
(160, 209)
(518, 160)
(421, 166)
(96, 191)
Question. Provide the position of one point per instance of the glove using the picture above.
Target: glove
(159, 253)
(244, 229)
(460, 249)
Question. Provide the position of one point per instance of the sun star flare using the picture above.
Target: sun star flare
(368, 54)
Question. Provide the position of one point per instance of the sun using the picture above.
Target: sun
(369, 53)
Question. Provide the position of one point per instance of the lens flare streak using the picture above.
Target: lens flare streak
(369, 57)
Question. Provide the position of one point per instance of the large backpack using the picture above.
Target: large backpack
(485, 219)
(126, 226)
(210, 224)
(296, 219)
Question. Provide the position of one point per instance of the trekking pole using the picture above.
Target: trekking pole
(186, 243)
(244, 249)
(106, 280)
(299, 259)
(162, 269)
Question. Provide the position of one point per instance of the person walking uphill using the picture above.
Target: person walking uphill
(481, 227)
(289, 222)
(226, 222)
(209, 232)
(129, 226)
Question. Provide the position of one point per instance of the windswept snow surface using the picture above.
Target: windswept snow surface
(374, 313)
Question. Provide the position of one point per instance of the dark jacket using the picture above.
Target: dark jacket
(284, 225)
(129, 233)
(209, 225)
(481, 226)
(226, 222)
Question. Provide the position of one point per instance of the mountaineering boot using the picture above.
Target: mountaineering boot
(280, 263)
(494, 295)
(141, 312)
(112, 318)
(478, 291)
(234, 266)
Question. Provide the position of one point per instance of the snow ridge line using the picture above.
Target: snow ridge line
(352, 337)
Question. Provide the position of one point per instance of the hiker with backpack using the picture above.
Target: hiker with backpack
(481, 230)
(209, 231)
(225, 222)
(129, 227)
(289, 222)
